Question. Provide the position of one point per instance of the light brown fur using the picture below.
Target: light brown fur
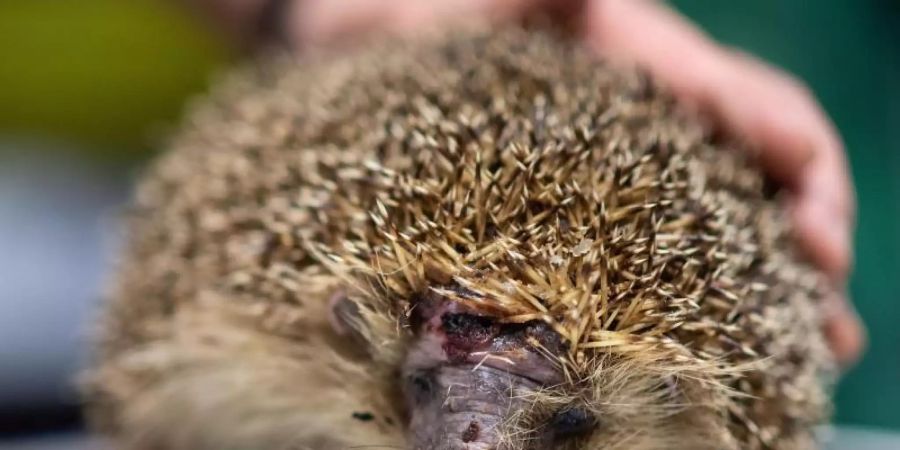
(547, 184)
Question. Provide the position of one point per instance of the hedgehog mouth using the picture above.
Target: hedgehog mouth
(467, 374)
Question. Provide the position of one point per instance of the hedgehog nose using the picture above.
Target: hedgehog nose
(467, 430)
(461, 407)
(470, 432)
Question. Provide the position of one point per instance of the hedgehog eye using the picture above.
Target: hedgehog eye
(420, 385)
(468, 325)
(572, 422)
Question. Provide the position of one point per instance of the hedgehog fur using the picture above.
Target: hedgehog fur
(509, 172)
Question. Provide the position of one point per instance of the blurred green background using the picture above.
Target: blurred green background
(106, 74)
(107, 77)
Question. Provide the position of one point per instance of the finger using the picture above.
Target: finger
(667, 45)
(799, 147)
(789, 128)
(732, 89)
(771, 112)
(825, 237)
(823, 218)
(844, 331)
(826, 180)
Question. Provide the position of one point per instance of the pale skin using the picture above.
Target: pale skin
(796, 141)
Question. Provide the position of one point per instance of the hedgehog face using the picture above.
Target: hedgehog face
(466, 373)
(471, 381)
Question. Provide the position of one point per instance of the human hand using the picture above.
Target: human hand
(797, 144)
(796, 141)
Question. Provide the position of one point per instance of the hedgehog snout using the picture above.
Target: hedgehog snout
(467, 380)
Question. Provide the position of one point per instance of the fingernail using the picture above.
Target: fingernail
(821, 187)
(844, 330)
(828, 239)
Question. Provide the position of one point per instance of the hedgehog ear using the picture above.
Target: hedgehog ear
(344, 316)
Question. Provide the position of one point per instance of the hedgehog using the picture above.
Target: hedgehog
(486, 239)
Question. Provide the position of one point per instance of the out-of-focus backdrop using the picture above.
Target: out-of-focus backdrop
(87, 89)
